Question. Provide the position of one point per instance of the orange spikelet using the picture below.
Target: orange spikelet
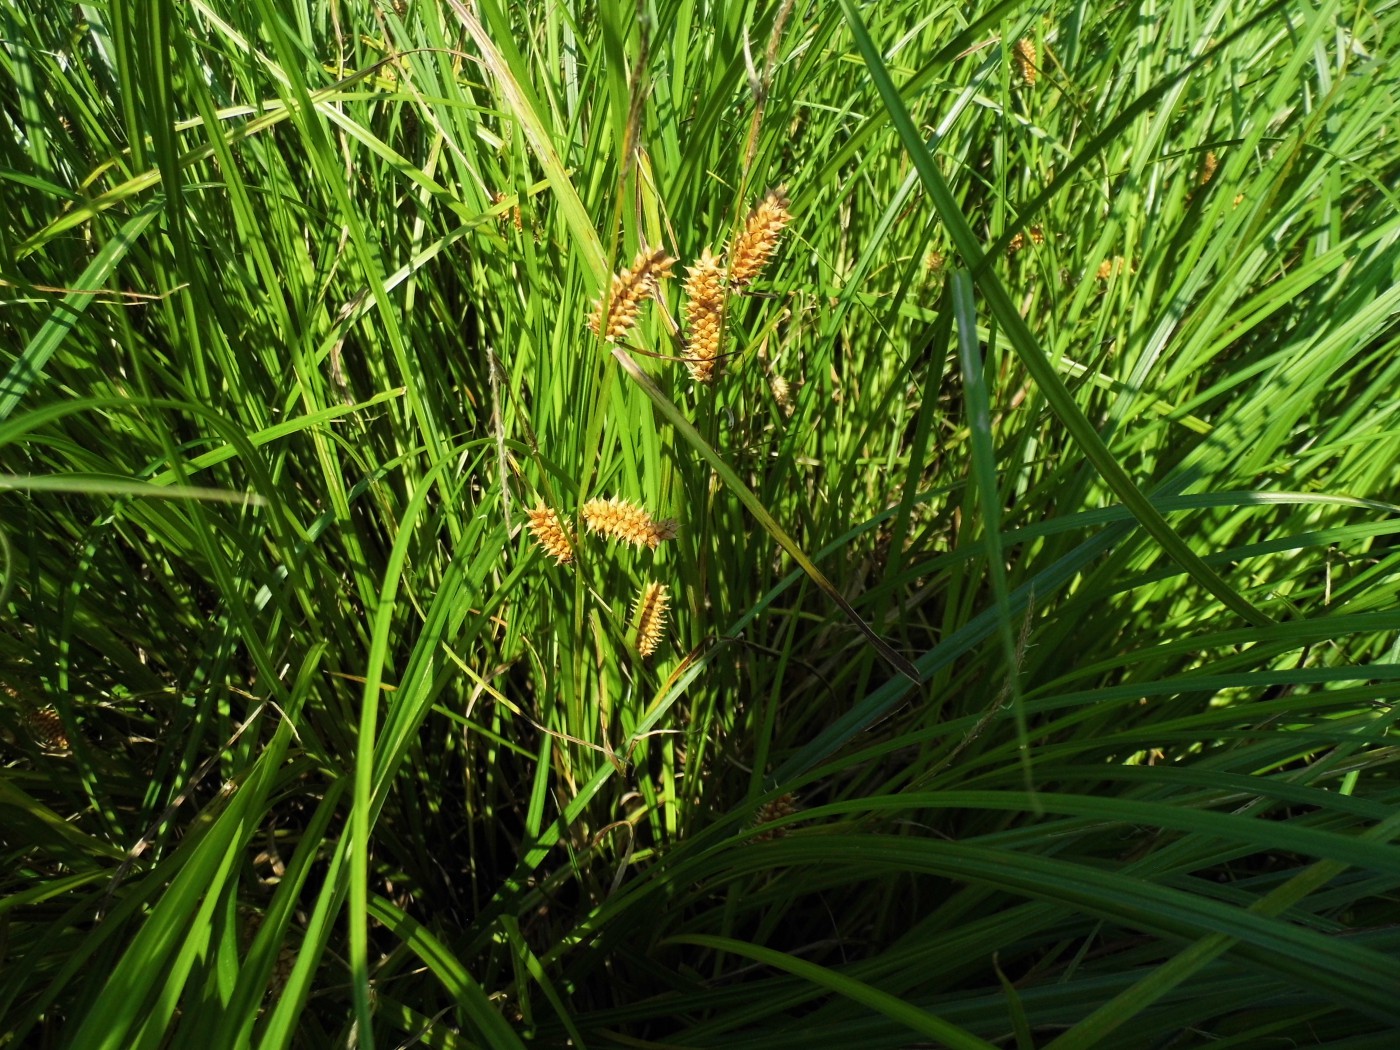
(1208, 166)
(759, 237)
(1110, 267)
(1024, 53)
(704, 315)
(630, 289)
(620, 520)
(1019, 240)
(650, 616)
(550, 535)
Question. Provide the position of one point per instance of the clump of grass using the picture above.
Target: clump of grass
(466, 814)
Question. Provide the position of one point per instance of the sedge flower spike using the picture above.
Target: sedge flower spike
(620, 520)
(759, 237)
(630, 288)
(1024, 53)
(650, 616)
(704, 315)
(549, 533)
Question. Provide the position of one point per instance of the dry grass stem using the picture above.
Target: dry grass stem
(630, 289)
(650, 616)
(759, 237)
(550, 535)
(704, 316)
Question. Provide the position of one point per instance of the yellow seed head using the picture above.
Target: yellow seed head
(650, 616)
(1109, 267)
(1024, 53)
(782, 393)
(704, 316)
(620, 520)
(1019, 240)
(550, 535)
(630, 289)
(759, 237)
(1208, 166)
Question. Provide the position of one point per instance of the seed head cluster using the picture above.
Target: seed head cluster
(620, 520)
(1110, 267)
(47, 729)
(1208, 166)
(1019, 240)
(1024, 53)
(650, 616)
(759, 237)
(704, 316)
(708, 285)
(782, 806)
(633, 286)
(550, 535)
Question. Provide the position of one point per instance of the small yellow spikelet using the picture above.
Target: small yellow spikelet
(1109, 267)
(759, 237)
(630, 289)
(782, 806)
(782, 393)
(550, 535)
(1024, 53)
(704, 316)
(650, 617)
(47, 729)
(618, 519)
(1208, 166)
(1019, 240)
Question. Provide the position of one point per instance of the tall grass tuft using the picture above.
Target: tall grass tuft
(1021, 670)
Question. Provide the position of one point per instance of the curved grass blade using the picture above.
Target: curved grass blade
(746, 496)
(1028, 349)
